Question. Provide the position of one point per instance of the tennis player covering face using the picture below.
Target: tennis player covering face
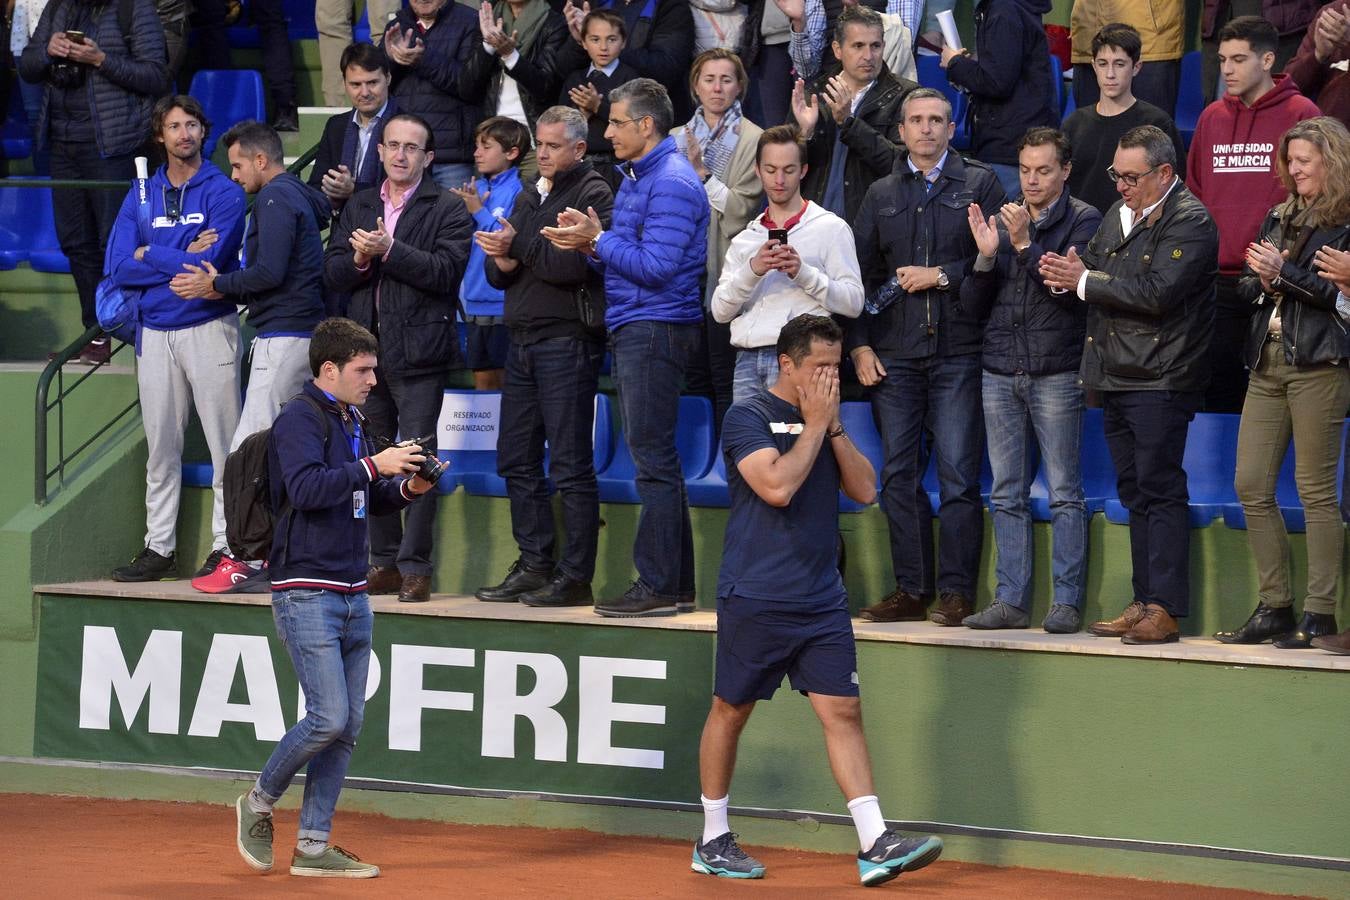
(781, 606)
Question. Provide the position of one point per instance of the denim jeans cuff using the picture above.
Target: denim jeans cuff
(311, 834)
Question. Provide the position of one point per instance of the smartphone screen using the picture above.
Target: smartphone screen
(778, 234)
(76, 37)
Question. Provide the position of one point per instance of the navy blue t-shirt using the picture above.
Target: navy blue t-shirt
(787, 554)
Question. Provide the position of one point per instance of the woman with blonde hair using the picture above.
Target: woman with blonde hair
(1297, 349)
(720, 143)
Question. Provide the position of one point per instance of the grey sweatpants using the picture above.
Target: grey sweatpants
(278, 368)
(198, 365)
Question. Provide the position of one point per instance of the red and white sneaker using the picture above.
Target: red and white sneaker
(229, 574)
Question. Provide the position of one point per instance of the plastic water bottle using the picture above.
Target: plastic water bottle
(884, 296)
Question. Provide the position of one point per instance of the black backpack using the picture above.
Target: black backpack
(249, 517)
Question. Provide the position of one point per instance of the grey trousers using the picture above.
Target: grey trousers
(197, 366)
(278, 368)
(333, 21)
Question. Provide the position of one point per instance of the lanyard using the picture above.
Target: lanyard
(356, 426)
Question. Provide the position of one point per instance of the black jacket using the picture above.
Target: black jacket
(418, 286)
(537, 74)
(660, 46)
(603, 84)
(871, 135)
(319, 544)
(541, 292)
(282, 277)
(1031, 330)
(1150, 299)
(1009, 81)
(339, 146)
(1313, 332)
(431, 88)
(902, 224)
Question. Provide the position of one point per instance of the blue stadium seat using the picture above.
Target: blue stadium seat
(198, 474)
(16, 136)
(360, 31)
(1070, 104)
(1210, 460)
(300, 20)
(693, 439)
(38, 237)
(1286, 495)
(856, 417)
(1190, 96)
(229, 96)
(14, 230)
(711, 489)
(1099, 476)
(931, 74)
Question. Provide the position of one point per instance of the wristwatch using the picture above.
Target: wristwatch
(838, 432)
(943, 281)
(596, 240)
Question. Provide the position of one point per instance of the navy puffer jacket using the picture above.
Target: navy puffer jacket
(431, 87)
(125, 87)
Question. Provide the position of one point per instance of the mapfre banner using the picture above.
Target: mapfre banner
(592, 710)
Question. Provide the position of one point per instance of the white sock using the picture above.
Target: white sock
(866, 812)
(715, 817)
(311, 847)
(257, 803)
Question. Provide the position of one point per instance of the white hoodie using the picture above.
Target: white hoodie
(828, 282)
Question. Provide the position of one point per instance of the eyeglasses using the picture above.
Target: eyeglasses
(173, 203)
(620, 122)
(1130, 180)
(410, 149)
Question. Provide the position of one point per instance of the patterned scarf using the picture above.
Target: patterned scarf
(716, 144)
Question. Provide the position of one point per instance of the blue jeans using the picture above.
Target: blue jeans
(328, 638)
(549, 395)
(451, 175)
(1027, 416)
(756, 370)
(926, 406)
(649, 363)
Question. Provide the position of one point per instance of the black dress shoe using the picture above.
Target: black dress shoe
(287, 119)
(561, 591)
(637, 602)
(519, 580)
(1310, 626)
(1265, 622)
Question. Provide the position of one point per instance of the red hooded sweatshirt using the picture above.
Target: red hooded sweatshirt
(1231, 163)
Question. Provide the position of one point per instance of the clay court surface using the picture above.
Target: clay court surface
(65, 847)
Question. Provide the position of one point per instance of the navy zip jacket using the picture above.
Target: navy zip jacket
(319, 544)
(1031, 330)
(1009, 79)
(282, 278)
(901, 223)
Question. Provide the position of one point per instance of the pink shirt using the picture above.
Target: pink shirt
(393, 210)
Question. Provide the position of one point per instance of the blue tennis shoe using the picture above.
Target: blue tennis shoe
(723, 856)
(893, 853)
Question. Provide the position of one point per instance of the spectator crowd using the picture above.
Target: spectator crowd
(676, 182)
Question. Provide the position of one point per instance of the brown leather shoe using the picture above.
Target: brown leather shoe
(1120, 624)
(383, 580)
(900, 606)
(416, 589)
(952, 608)
(1156, 627)
(1334, 643)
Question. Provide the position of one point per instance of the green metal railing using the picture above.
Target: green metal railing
(45, 404)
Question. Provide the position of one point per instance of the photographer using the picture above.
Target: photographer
(101, 74)
(323, 484)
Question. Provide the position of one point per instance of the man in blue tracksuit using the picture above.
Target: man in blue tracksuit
(281, 281)
(324, 477)
(188, 347)
(653, 257)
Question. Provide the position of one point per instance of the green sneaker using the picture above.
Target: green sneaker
(253, 836)
(332, 863)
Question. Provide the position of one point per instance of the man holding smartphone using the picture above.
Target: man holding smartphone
(796, 258)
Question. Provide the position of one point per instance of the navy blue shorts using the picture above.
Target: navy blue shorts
(487, 346)
(759, 641)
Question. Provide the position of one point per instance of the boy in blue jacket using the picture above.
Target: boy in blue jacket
(500, 144)
(324, 478)
(187, 347)
(281, 281)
